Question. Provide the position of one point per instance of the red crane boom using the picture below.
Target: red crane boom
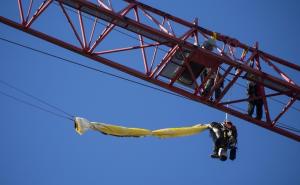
(183, 60)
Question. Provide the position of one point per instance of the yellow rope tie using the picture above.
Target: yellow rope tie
(214, 36)
(244, 53)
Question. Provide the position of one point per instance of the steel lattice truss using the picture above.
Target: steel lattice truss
(170, 53)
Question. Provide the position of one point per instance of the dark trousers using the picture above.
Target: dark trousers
(209, 84)
(218, 92)
(258, 104)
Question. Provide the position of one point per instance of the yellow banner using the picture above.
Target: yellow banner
(82, 125)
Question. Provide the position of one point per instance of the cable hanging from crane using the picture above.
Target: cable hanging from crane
(36, 106)
(33, 97)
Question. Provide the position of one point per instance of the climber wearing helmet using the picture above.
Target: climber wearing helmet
(224, 136)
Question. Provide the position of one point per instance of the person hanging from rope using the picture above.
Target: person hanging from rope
(255, 99)
(224, 136)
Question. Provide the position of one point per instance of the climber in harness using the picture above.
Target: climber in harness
(224, 136)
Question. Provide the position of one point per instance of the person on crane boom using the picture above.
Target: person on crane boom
(255, 99)
(224, 136)
(209, 45)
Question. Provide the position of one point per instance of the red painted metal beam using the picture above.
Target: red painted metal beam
(175, 45)
(141, 39)
(147, 78)
(109, 28)
(21, 12)
(219, 36)
(40, 10)
(125, 49)
(171, 41)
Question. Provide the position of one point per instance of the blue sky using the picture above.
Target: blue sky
(39, 148)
